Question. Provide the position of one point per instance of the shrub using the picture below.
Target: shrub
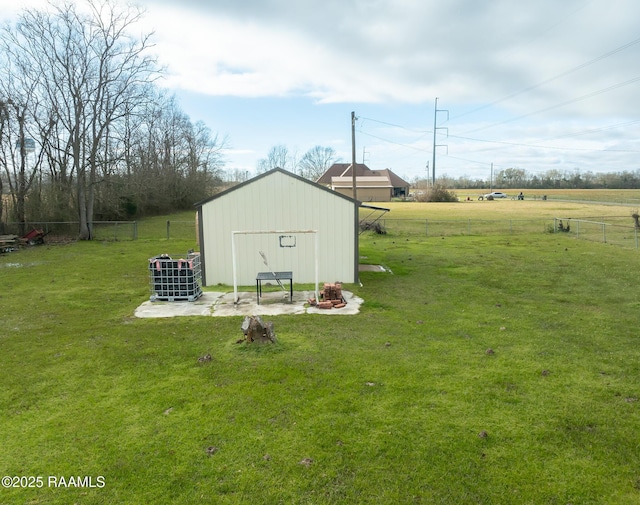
(437, 193)
(376, 227)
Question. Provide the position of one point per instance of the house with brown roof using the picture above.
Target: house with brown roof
(371, 185)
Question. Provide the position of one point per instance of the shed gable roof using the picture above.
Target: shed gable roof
(267, 174)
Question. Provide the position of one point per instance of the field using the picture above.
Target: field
(499, 368)
(609, 196)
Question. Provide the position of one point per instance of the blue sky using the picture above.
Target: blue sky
(538, 85)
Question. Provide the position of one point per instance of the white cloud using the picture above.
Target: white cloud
(401, 51)
(512, 72)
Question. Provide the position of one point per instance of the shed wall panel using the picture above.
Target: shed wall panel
(279, 202)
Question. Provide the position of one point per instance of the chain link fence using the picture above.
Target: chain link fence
(450, 227)
(183, 230)
(613, 232)
(623, 235)
(62, 231)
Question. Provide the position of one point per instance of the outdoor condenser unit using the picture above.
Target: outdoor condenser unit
(175, 279)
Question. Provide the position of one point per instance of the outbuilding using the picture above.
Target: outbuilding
(278, 221)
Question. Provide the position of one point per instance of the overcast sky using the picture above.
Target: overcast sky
(534, 85)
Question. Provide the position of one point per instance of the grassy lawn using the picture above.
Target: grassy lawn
(485, 369)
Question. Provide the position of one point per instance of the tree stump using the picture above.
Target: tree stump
(256, 330)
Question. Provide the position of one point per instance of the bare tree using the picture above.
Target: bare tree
(4, 121)
(90, 70)
(16, 140)
(316, 161)
(278, 157)
(111, 144)
(170, 162)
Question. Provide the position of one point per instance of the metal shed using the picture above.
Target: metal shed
(300, 226)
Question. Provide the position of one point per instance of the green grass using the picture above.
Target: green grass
(388, 404)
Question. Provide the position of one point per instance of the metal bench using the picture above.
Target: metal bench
(274, 276)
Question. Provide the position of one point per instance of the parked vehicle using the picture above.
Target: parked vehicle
(495, 195)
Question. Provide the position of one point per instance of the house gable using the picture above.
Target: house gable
(371, 185)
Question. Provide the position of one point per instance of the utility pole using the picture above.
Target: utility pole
(356, 210)
(491, 180)
(435, 130)
(353, 154)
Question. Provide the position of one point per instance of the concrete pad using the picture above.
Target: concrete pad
(271, 304)
(201, 307)
(221, 305)
(372, 268)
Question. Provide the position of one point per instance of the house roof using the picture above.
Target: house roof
(362, 182)
(266, 174)
(396, 180)
(343, 170)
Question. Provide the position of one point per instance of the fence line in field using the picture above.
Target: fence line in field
(583, 229)
(181, 229)
(107, 230)
(445, 227)
(598, 231)
(102, 230)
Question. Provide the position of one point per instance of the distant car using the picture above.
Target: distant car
(495, 194)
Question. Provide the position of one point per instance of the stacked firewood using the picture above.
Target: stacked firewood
(330, 297)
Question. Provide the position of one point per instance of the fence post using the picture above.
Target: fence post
(510, 226)
(426, 227)
(135, 230)
(469, 226)
(168, 227)
(604, 233)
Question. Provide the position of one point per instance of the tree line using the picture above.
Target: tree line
(312, 165)
(516, 178)
(85, 132)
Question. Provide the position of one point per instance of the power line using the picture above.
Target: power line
(511, 144)
(394, 142)
(551, 79)
(393, 124)
(557, 106)
(538, 146)
(592, 130)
